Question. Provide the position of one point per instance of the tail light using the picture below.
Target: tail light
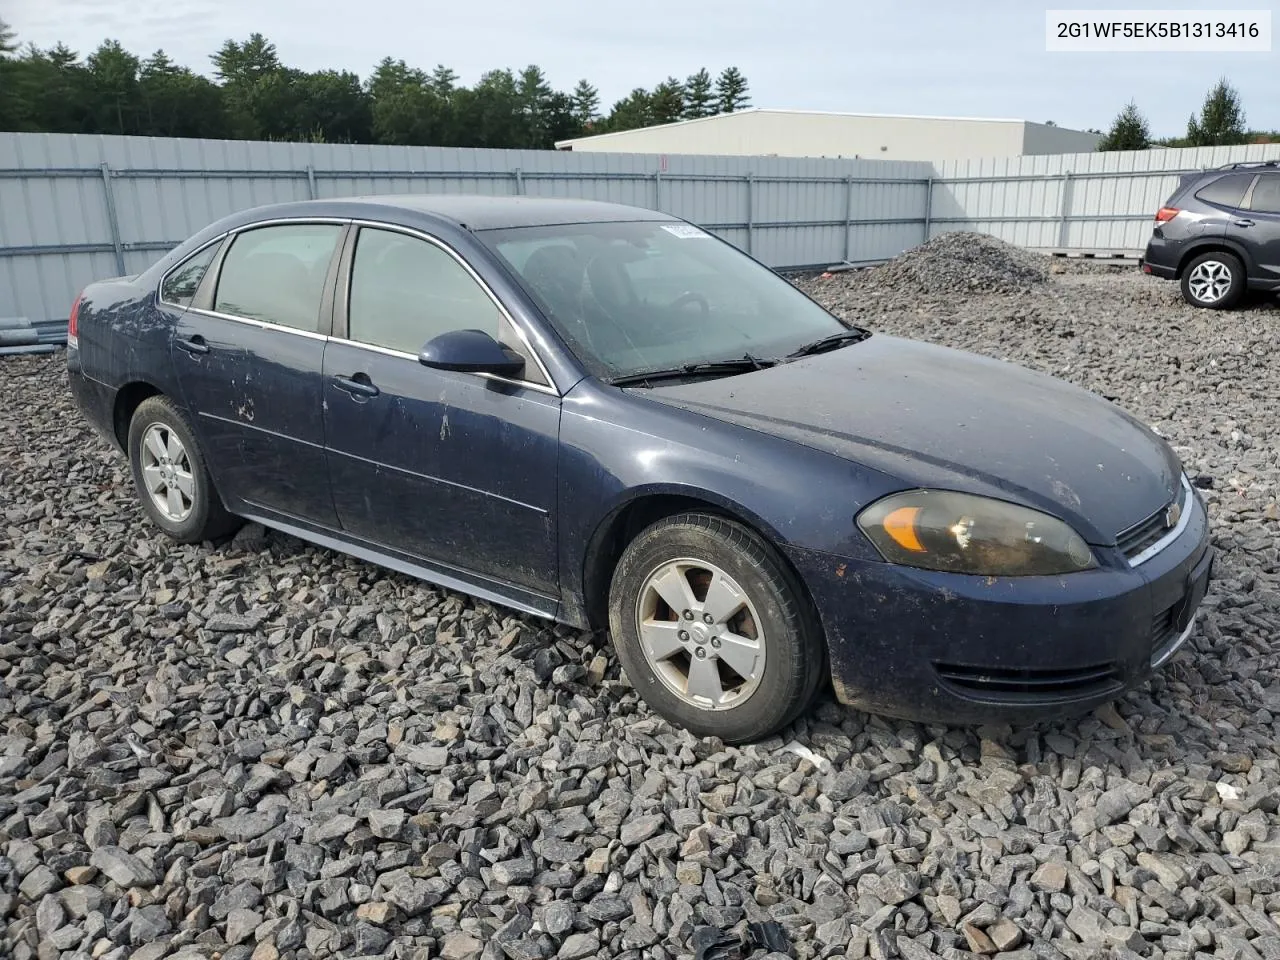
(1166, 213)
(73, 324)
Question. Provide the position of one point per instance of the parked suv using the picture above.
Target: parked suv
(1219, 234)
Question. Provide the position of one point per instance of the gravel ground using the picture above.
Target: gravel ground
(261, 749)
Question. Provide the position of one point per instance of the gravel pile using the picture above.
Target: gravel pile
(261, 749)
(960, 263)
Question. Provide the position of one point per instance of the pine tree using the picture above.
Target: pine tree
(632, 112)
(535, 103)
(443, 81)
(114, 74)
(1221, 118)
(699, 97)
(586, 103)
(1129, 131)
(248, 61)
(731, 91)
(667, 101)
(8, 40)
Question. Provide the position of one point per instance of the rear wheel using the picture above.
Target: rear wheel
(1214, 280)
(173, 484)
(713, 629)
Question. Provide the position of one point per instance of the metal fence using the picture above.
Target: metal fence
(1082, 201)
(74, 208)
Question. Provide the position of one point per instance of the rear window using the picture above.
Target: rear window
(180, 285)
(1226, 191)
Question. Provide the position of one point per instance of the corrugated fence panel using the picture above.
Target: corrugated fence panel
(1087, 201)
(78, 208)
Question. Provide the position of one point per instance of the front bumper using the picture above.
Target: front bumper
(938, 647)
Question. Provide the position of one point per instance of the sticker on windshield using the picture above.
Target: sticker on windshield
(685, 231)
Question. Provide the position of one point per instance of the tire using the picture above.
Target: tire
(1214, 281)
(773, 622)
(199, 514)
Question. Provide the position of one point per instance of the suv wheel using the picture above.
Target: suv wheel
(1214, 280)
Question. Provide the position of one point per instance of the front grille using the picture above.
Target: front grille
(1030, 684)
(1140, 536)
(1146, 533)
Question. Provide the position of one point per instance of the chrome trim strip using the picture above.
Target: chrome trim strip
(1162, 656)
(549, 387)
(261, 324)
(401, 355)
(387, 351)
(398, 354)
(1189, 497)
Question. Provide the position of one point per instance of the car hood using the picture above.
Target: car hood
(931, 415)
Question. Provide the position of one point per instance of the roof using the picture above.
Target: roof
(476, 212)
(723, 117)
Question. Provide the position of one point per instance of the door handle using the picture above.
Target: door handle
(358, 386)
(194, 346)
(1242, 223)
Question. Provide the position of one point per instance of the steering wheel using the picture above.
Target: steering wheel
(688, 297)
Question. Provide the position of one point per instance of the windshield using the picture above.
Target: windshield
(643, 296)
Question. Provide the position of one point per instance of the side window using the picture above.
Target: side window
(180, 285)
(1226, 191)
(1266, 194)
(276, 274)
(404, 291)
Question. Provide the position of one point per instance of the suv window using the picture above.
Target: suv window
(180, 285)
(1266, 194)
(1226, 191)
(277, 274)
(404, 291)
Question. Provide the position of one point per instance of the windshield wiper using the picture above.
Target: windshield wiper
(709, 368)
(833, 342)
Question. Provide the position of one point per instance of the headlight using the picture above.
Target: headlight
(962, 533)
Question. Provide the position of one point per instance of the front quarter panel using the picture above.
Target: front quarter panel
(617, 447)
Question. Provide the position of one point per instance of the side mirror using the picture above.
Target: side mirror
(470, 351)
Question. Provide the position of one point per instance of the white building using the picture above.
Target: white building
(809, 133)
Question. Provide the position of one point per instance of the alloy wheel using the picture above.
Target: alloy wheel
(166, 472)
(1210, 281)
(700, 634)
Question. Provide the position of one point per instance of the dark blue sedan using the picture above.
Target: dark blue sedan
(605, 416)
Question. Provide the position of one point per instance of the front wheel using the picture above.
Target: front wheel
(173, 484)
(713, 629)
(1214, 280)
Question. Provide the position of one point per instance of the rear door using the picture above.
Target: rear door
(248, 353)
(457, 469)
(1263, 233)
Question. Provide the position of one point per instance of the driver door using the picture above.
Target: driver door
(455, 469)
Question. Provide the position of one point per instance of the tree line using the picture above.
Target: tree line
(1221, 122)
(254, 96)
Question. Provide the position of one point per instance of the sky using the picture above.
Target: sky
(938, 58)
